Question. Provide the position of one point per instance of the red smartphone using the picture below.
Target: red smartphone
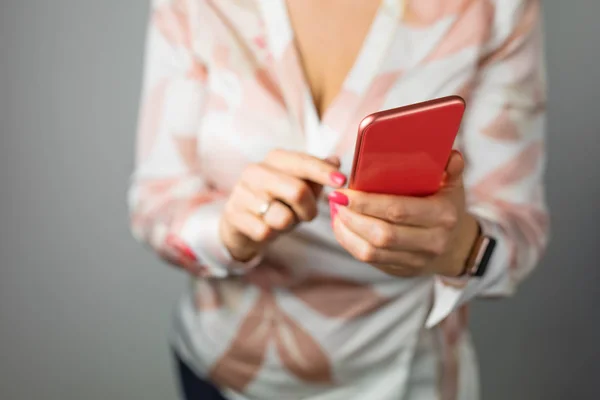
(404, 151)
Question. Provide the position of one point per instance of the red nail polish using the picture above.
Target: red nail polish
(337, 178)
(339, 198)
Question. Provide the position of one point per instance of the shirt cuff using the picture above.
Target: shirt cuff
(201, 233)
(451, 293)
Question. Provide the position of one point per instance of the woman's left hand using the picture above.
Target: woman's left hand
(408, 236)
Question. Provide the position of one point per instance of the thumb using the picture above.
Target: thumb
(454, 170)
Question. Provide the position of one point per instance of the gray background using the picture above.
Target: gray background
(84, 311)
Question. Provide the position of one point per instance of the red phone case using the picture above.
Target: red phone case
(405, 150)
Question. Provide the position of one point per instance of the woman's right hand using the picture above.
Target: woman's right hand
(292, 182)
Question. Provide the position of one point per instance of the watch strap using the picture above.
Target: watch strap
(480, 255)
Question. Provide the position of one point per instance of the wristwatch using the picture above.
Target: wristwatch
(480, 255)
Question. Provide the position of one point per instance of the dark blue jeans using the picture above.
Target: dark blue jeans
(192, 387)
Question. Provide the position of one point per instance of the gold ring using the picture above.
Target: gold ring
(264, 208)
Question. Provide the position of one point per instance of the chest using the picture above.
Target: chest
(329, 36)
(254, 107)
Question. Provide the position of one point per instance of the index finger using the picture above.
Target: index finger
(307, 167)
(400, 210)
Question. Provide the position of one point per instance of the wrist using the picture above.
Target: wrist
(466, 240)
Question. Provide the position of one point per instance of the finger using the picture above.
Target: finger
(384, 235)
(367, 253)
(353, 243)
(279, 216)
(317, 188)
(400, 210)
(251, 226)
(333, 160)
(292, 191)
(454, 170)
(306, 167)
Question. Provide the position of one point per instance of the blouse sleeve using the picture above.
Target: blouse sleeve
(503, 140)
(173, 208)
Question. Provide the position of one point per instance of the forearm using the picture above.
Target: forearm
(456, 258)
(503, 136)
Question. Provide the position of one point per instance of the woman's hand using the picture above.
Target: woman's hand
(408, 236)
(291, 182)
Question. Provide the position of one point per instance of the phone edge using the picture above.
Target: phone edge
(367, 121)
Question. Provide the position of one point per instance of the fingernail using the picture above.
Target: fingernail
(339, 198)
(337, 178)
(460, 154)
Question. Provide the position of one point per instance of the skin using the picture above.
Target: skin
(398, 235)
(408, 236)
(318, 26)
(294, 179)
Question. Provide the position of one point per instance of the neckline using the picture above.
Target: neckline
(362, 57)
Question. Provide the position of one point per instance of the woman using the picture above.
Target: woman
(302, 289)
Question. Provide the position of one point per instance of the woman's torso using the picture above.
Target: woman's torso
(311, 318)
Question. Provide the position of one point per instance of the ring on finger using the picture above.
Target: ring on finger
(264, 208)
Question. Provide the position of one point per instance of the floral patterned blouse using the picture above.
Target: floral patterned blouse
(224, 85)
